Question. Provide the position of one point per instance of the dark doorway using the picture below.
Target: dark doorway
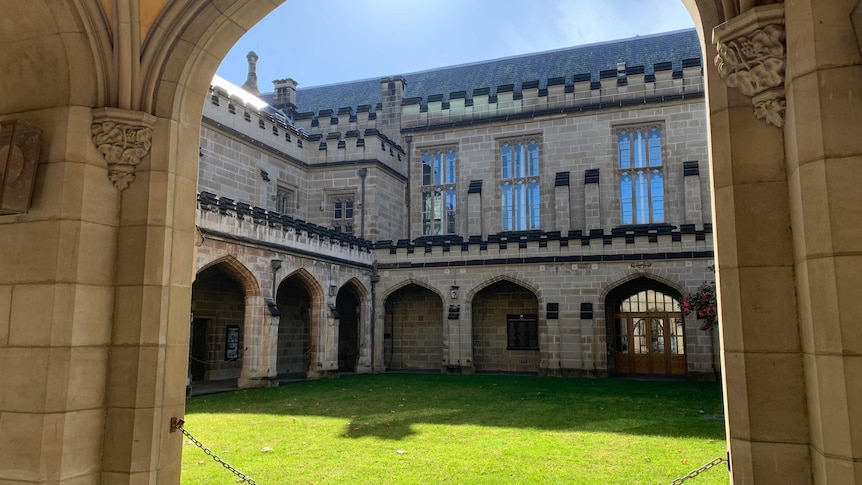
(199, 356)
(347, 306)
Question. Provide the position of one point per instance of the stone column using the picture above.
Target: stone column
(256, 343)
(550, 363)
(691, 184)
(269, 345)
(767, 422)
(592, 201)
(562, 203)
(588, 337)
(364, 363)
(824, 167)
(56, 309)
(153, 267)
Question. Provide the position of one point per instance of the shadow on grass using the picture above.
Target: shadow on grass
(391, 406)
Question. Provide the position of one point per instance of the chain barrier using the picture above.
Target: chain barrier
(700, 470)
(240, 475)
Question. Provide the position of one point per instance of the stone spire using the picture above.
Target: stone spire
(251, 82)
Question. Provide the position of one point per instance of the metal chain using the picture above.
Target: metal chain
(699, 470)
(242, 476)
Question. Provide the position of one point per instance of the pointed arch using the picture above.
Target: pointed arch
(496, 279)
(361, 290)
(246, 278)
(314, 287)
(617, 285)
(410, 281)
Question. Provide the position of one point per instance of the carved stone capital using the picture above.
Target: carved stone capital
(751, 58)
(124, 138)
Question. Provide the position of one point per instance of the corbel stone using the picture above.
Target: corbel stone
(123, 137)
(752, 56)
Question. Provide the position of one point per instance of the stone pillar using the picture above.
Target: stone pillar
(767, 422)
(154, 264)
(269, 345)
(824, 167)
(588, 337)
(364, 363)
(56, 309)
(475, 226)
(562, 203)
(550, 344)
(460, 332)
(592, 201)
(691, 185)
(256, 343)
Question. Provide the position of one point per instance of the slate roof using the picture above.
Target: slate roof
(646, 51)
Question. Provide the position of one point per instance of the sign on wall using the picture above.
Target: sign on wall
(231, 349)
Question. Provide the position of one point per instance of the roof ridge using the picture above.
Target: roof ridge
(505, 58)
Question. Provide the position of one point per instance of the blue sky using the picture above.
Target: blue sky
(319, 42)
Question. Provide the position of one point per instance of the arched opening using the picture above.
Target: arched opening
(347, 306)
(217, 327)
(645, 329)
(506, 329)
(295, 346)
(413, 329)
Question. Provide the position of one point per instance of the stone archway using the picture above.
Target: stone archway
(111, 316)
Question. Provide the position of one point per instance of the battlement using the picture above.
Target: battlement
(624, 244)
(259, 124)
(624, 86)
(227, 218)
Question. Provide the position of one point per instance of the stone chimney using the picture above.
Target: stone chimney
(284, 96)
(251, 82)
(389, 120)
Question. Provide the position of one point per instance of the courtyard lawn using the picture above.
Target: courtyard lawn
(434, 429)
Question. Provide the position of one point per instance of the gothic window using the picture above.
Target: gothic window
(439, 203)
(284, 200)
(342, 214)
(519, 189)
(641, 175)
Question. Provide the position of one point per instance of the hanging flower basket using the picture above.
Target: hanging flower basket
(703, 304)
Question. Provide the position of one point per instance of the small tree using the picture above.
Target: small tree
(703, 304)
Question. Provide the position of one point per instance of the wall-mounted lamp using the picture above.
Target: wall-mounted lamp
(334, 311)
(333, 290)
(19, 154)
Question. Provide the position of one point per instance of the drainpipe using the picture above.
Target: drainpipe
(409, 140)
(362, 173)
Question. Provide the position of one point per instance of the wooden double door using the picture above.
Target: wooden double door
(650, 343)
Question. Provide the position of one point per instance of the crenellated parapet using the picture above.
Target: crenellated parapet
(225, 218)
(626, 244)
(613, 88)
(259, 125)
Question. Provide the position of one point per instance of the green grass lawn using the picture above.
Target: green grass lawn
(432, 429)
